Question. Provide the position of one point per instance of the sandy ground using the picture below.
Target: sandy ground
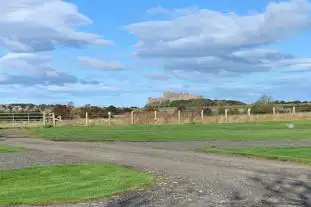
(192, 178)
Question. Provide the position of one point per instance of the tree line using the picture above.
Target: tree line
(70, 112)
(264, 105)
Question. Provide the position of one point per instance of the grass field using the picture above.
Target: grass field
(237, 131)
(5, 149)
(67, 183)
(297, 154)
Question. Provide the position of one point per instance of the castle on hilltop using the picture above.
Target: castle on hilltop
(172, 96)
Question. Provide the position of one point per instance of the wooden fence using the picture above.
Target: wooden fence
(151, 117)
(182, 117)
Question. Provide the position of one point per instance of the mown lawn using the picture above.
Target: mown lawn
(67, 183)
(240, 131)
(5, 149)
(296, 154)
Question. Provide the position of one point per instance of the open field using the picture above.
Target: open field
(6, 149)
(192, 178)
(297, 154)
(68, 183)
(237, 131)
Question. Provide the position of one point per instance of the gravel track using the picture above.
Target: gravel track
(34, 158)
(191, 179)
(192, 145)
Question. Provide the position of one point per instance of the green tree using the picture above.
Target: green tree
(113, 109)
(181, 107)
(264, 105)
(63, 110)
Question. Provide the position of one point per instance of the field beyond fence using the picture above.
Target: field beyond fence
(179, 132)
(141, 117)
(185, 117)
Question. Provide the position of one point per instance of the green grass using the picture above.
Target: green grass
(68, 183)
(240, 131)
(5, 149)
(296, 154)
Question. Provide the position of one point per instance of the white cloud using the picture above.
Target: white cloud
(291, 80)
(79, 87)
(30, 30)
(212, 41)
(295, 65)
(45, 78)
(25, 62)
(158, 76)
(3, 78)
(200, 77)
(162, 10)
(158, 10)
(36, 25)
(101, 64)
(56, 94)
(32, 69)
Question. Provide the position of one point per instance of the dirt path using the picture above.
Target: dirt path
(215, 180)
(192, 145)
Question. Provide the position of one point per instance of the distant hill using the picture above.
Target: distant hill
(195, 103)
(175, 99)
(172, 96)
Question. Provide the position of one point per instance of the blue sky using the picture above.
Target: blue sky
(110, 52)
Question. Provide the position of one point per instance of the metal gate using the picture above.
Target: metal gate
(31, 119)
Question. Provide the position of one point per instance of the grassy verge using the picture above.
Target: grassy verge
(67, 183)
(296, 154)
(5, 149)
(240, 131)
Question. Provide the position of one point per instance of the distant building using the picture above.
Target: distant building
(172, 96)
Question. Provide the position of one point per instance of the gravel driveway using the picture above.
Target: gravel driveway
(191, 179)
(192, 145)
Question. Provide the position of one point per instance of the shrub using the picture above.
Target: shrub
(207, 111)
(234, 111)
(262, 108)
(221, 110)
(231, 111)
(63, 110)
(151, 108)
(264, 105)
(181, 107)
(93, 112)
(303, 108)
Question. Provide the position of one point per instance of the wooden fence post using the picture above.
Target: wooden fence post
(132, 117)
(86, 118)
(179, 121)
(202, 115)
(226, 114)
(54, 119)
(28, 119)
(109, 118)
(44, 119)
(13, 120)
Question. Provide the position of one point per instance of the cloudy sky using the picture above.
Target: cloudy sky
(112, 52)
